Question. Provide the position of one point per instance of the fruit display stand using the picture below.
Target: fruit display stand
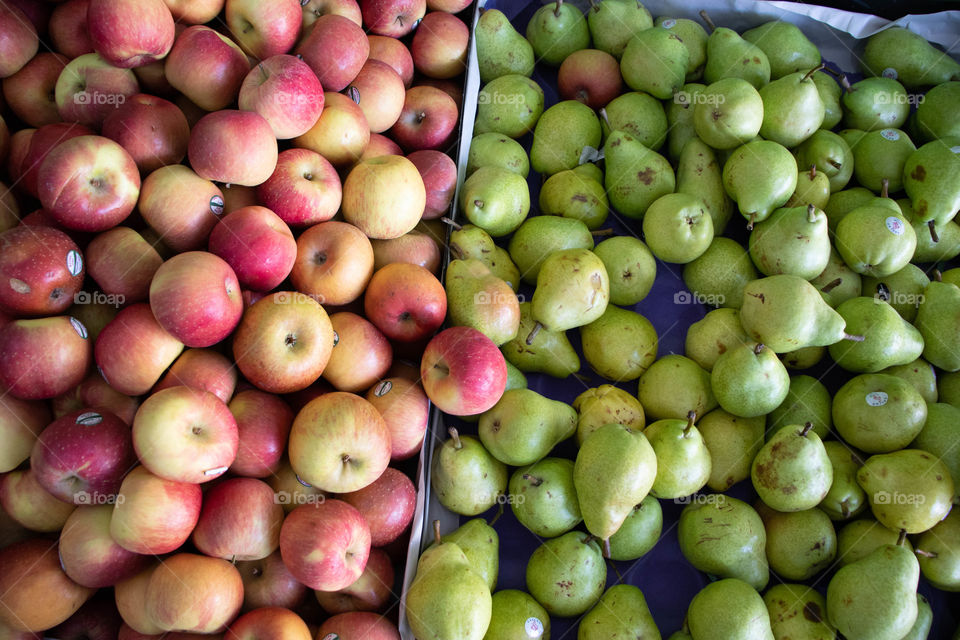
(666, 578)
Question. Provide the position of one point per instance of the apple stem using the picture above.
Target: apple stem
(813, 171)
(885, 188)
(902, 537)
(691, 419)
(601, 232)
(556, 11)
(811, 213)
(534, 480)
(496, 517)
(533, 332)
(812, 71)
(933, 231)
(852, 338)
(706, 18)
(807, 426)
(436, 532)
(758, 349)
(830, 286)
(455, 436)
(926, 554)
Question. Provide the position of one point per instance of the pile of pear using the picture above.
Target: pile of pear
(846, 195)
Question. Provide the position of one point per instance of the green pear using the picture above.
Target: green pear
(560, 136)
(655, 62)
(694, 38)
(798, 612)
(792, 471)
(523, 426)
(830, 94)
(902, 290)
(930, 178)
(543, 497)
(837, 282)
(730, 56)
(481, 544)
(680, 126)
(787, 48)
(830, 155)
(639, 532)
(567, 574)
(621, 612)
(465, 478)
(726, 113)
(875, 103)
(939, 244)
(572, 290)
(549, 352)
(728, 609)
(613, 23)
(635, 174)
(948, 388)
(888, 339)
(500, 49)
(720, 274)
(509, 105)
(920, 375)
(880, 155)
(875, 598)
(477, 298)
(699, 174)
(852, 136)
(540, 236)
(937, 114)
(556, 30)
(936, 322)
(470, 241)
(447, 598)
(614, 470)
(515, 378)
(808, 400)
(630, 266)
(845, 499)
(760, 176)
(875, 241)
(683, 460)
(908, 489)
(674, 386)
(792, 108)
(678, 228)
(497, 150)
(803, 358)
(940, 435)
(938, 553)
(843, 202)
(921, 628)
(812, 189)
(748, 380)
(607, 404)
(572, 195)
(639, 114)
(725, 537)
(878, 413)
(496, 200)
(800, 544)
(710, 337)
(515, 615)
(620, 345)
(792, 240)
(733, 442)
(905, 56)
(857, 539)
(589, 170)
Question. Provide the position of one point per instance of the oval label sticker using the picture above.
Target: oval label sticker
(89, 418)
(889, 72)
(216, 205)
(890, 134)
(383, 388)
(79, 328)
(74, 262)
(331, 636)
(533, 627)
(669, 23)
(876, 398)
(895, 225)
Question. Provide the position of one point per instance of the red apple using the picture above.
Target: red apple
(270, 623)
(153, 78)
(291, 490)
(257, 244)
(95, 392)
(180, 206)
(240, 520)
(263, 424)
(97, 619)
(21, 421)
(89, 555)
(42, 268)
(133, 351)
(68, 28)
(379, 91)
(82, 456)
(268, 583)
(405, 301)
(154, 131)
(590, 76)
(406, 410)
(387, 505)
(130, 33)
(340, 134)
(313, 9)
(439, 46)
(359, 625)
(304, 188)
(122, 263)
(451, 6)
(394, 18)
(428, 119)
(190, 592)
(371, 591)
(285, 91)
(57, 349)
(35, 593)
(195, 296)
(334, 262)
(439, 173)
(414, 247)
(233, 147)
(88, 183)
(41, 144)
(153, 516)
(18, 40)
(264, 29)
(30, 505)
(130, 596)
(335, 48)
(89, 88)
(194, 11)
(392, 51)
(185, 435)
(361, 354)
(379, 145)
(30, 91)
(325, 546)
(202, 369)
(463, 371)
(207, 67)
(283, 342)
(384, 196)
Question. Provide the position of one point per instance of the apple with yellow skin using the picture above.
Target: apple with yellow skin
(384, 197)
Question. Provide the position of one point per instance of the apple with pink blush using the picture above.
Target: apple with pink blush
(263, 424)
(395, 18)
(268, 583)
(133, 350)
(180, 206)
(428, 120)
(335, 48)
(359, 624)
(590, 76)
(122, 263)
(202, 369)
(387, 505)
(264, 29)
(379, 91)
(406, 411)
(340, 134)
(371, 591)
(42, 142)
(361, 355)
(57, 348)
(313, 9)
(30, 91)
(439, 46)
(234, 147)
(90, 557)
(130, 33)
(405, 301)
(188, 592)
(334, 262)
(275, 623)
(18, 40)
(393, 52)
(68, 28)
(463, 371)
(240, 520)
(153, 516)
(89, 88)
(325, 546)
(154, 131)
(207, 67)
(42, 269)
(286, 92)
(304, 189)
(30, 505)
(257, 244)
(439, 173)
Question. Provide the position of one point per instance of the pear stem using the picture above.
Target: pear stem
(830, 286)
(885, 188)
(496, 517)
(811, 213)
(757, 350)
(594, 5)
(706, 18)
(807, 426)
(533, 333)
(936, 275)
(436, 532)
(933, 231)
(691, 419)
(902, 537)
(845, 508)
(812, 71)
(813, 172)
(750, 221)
(602, 232)
(556, 11)
(841, 78)
(451, 222)
(606, 548)
(852, 338)
(534, 480)
(926, 554)
(613, 566)
(603, 115)
(455, 436)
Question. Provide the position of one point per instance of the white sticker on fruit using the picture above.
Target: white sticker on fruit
(889, 72)
(336, 338)
(955, 149)
(217, 471)
(216, 205)
(876, 398)
(533, 627)
(669, 23)
(331, 636)
(74, 262)
(895, 225)
(383, 388)
(890, 134)
(89, 419)
(79, 328)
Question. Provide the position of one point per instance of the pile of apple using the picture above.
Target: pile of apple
(215, 238)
